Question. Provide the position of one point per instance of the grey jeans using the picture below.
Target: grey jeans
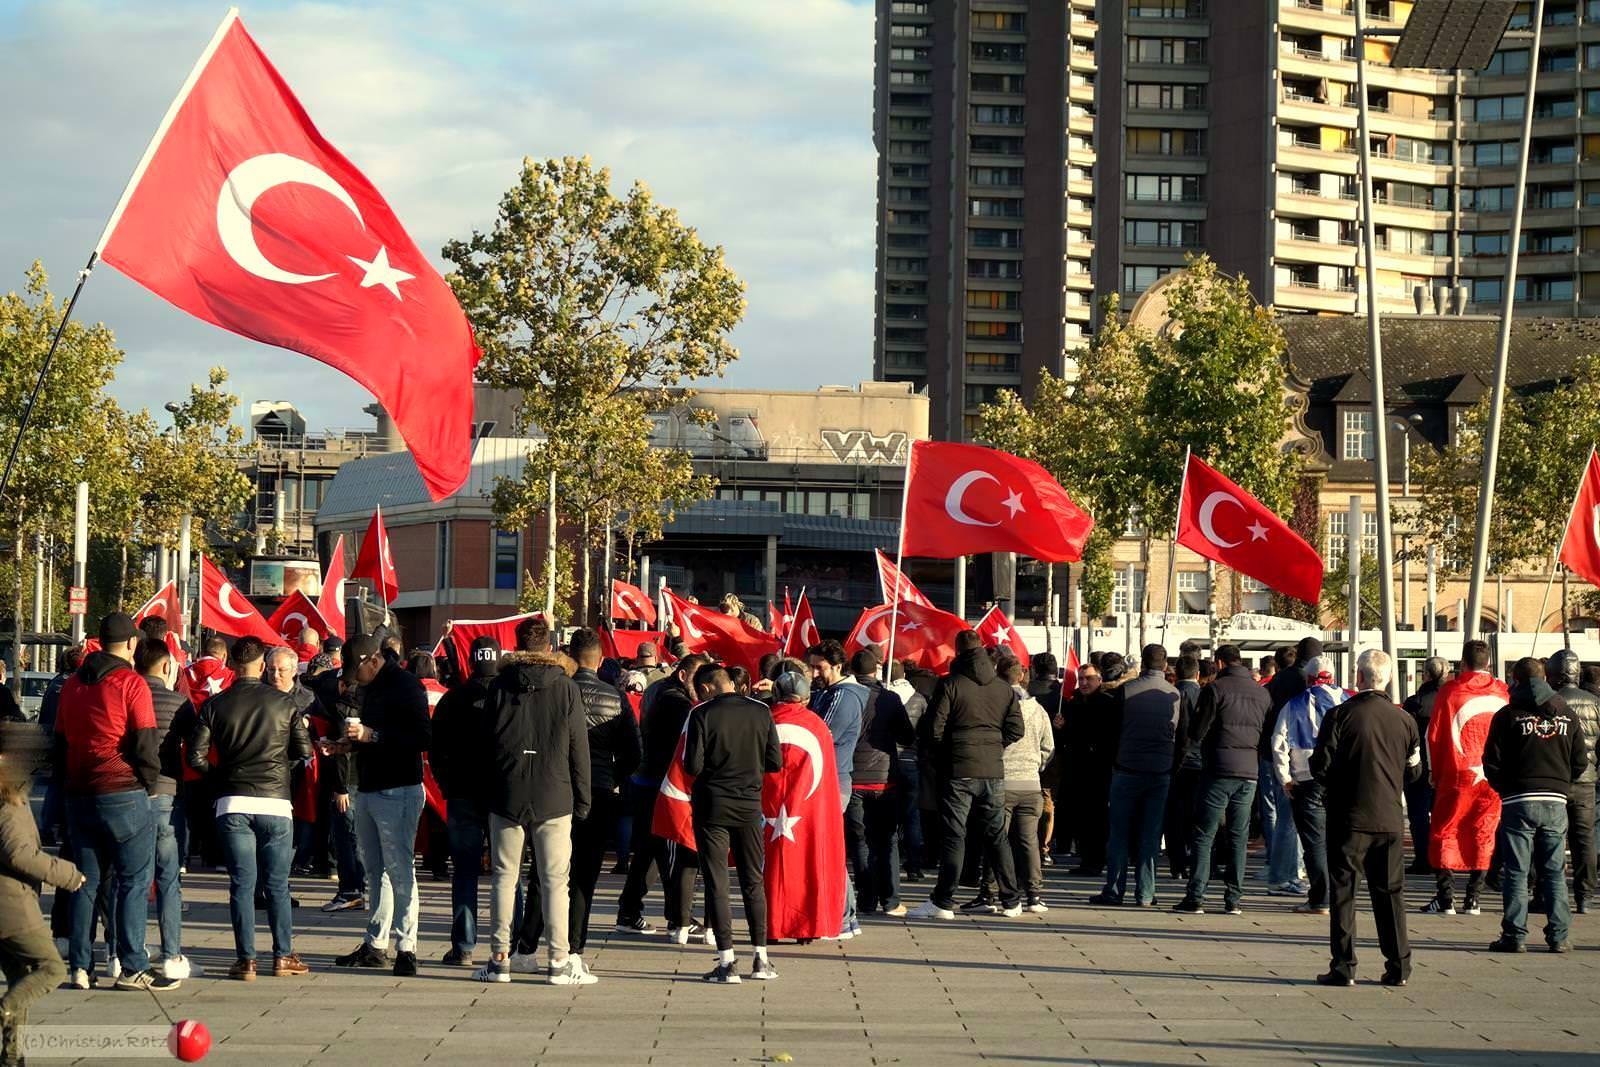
(552, 864)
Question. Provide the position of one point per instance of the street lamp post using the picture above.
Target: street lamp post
(1414, 419)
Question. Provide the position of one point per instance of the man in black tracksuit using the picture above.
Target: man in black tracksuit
(731, 742)
(1419, 794)
(1534, 755)
(1366, 751)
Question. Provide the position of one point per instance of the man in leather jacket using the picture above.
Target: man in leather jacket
(259, 736)
(1565, 671)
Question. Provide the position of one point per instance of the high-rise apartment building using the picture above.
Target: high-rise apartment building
(984, 121)
(1019, 143)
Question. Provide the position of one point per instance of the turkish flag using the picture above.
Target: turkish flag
(1466, 811)
(207, 676)
(891, 579)
(376, 560)
(924, 635)
(331, 603)
(804, 830)
(243, 215)
(624, 644)
(673, 819)
(164, 605)
(729, 639)
(631, 604)
(463, 632)
(295, 614)
(1580, 545)
(225, 611)
(775, 622)
(1069, 672)
(995, 629)
(962, 499)
(802, 632)
(1222, 522)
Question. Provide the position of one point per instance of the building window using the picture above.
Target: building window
(998, 300)
(1133, 525)
(996, 83)
(997, 114)
(1119, 591)
(1174, 187)
(506, 567)
(997, 207)
(987, 238)
(990, 52)
(992, 362)
(1357, 435)
(1009, 21)
(1136, 279)
(1010, 269)
(441, 578)
(987, 144)
(1166, 50)
(1166, 9)
(1158, 96)
(1338, 541)
(995, 331)
(903, 29)
(1162, 233)
(994, 175)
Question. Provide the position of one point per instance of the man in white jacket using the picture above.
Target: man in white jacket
(1294, 737)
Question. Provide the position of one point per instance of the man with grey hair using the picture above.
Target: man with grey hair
(1366, 751)
(1419, 794)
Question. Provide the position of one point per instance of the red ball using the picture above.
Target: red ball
(189, 1040)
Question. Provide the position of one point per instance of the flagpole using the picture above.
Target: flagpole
(1556, 555)
(1172, 552)
(899, 563)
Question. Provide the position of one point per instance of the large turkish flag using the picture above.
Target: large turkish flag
(804, 830)
(1466, 810)
(225, 611)
(995, 629)
(925, 636)
(1580, 545)
(894, 583)
(376, 559)
(331, 602)
(729, 639)
(242, 214)
(801, 633)
(1222, 522)
(295, 614)
(962, 499)
(631, 604)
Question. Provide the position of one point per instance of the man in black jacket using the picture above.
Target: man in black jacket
(614, 751)
(872, 818)
(258, 737)
(731, 743)
(973, 715)
(458, 754)
(1183, 799)
(1227, 728)
(175, 719)
(1419, 794)
(538, 771)
(1534, 754)
(1366, 751)
(1564, 672)
(387, 726)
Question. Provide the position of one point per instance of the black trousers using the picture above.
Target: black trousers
(644, 849)
(1580, 839)
(589, 839)
(1381, 858)
(1091, 801)
(1183, 801)
(1445, 887)
(749, 859)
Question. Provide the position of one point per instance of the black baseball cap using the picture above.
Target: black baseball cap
(117, 628)
(485, 656)
(357, 649)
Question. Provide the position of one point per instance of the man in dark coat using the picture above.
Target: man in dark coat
(1419, 794)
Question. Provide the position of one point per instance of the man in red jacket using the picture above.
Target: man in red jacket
(108, 752)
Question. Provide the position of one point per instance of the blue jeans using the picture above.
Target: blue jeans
(871, 825)
(1311, 820)
(984, 798)
(347, 849)
(467, 824)
(849, 919)
(1219, 796)
(258, 846)
(910, 815)
(167, 815)
(1277, 827)
(386, 822)
(1138, 808)
(1533, 833)
(113, 839)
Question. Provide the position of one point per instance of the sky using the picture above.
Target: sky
(752, 118)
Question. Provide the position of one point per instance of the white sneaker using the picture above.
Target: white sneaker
(114, 968)
(179, 967)
(526, 963)
(1037, 907)
(572, 972)
(678, 935)
(1013, 911)
(929, 910)
(78, 978)
(498, 971)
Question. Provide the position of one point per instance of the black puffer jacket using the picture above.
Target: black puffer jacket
(259, 737)
(169, 714)
(974, 715)
(663, 725)
(1584, 706)
(1228, 724)
(459, 750)
(538, 741)
(614, 742)
(884, 727)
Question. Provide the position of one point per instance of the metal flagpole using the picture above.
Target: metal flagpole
(1544, 603)
(899, 562)
(1172, 551)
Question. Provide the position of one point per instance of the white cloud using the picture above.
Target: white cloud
(752, 119)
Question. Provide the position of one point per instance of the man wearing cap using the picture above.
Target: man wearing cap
(388, 731)
(108, 756)
(459, 756)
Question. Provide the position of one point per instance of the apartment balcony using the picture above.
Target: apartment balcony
(1083, 124)
(1083, 216)
(1082, 59)
(1313, 250)
(1081, 92)
(1316, 205)
(1082, 26)
(1080, 281)
(1294, 296)
(1081, 186)
(1308, 155)
(1528, 263)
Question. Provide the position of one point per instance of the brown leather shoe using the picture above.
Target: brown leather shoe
(243, 971)
(289, 966)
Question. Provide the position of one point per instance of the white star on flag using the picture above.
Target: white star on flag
(1258, 532)
(1013, 503)
(1001, 635)
(909, 626)
(379, 272)
(783, 825)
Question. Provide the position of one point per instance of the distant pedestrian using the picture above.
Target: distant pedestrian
(1563, 673)
(1152, 732)
(1294, 739)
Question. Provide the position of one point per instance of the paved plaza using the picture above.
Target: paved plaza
(1078, 985)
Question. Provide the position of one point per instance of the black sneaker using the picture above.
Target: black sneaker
(1334, 979)
(635, 927)
(722, 974)
(979, 905)
(1560, 947)
(1189, 907)
(365, 955)
(456, 958)
(1393, 979)
(405, 964)
(145, 979)
(1106, 900)
(1507, 944)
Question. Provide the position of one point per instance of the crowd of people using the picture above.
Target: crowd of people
(332, 760)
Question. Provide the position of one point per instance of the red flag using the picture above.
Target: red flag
(729, 639)
(804, 831)
(1069, 674)
(775, 622)
(1580, 545)
(630, 603)
(376, 559)
(295, 614)
(331, 603)
(1466, 811)
(624, 644)
(225, 611)
(164, 605)
(891, 579)
(926, 636)
(995, 629)
(673, 818)
(241, 214)
(207, 676)
(464, 632)
(962, 499)
(802, 632)
(1222, 522)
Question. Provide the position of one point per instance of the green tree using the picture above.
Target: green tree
(596, 309)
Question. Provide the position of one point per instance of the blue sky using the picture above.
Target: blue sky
(752, 118)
